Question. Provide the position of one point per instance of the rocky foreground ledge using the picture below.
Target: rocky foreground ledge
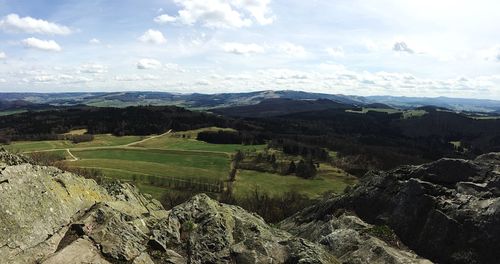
(51, 216)
(447, 210)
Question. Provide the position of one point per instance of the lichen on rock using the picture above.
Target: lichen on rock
(52, 216)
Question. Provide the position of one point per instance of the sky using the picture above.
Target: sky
(357, 47)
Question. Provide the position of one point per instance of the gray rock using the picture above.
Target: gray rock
(50, 216)
(447, 211)
(143, 258)
(80, 251)
(206, 231)
(352, 240)
(36, 202)
(9, 159)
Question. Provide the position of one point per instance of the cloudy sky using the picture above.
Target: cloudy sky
(361, 47)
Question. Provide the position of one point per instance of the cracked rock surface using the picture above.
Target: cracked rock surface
(447, 210)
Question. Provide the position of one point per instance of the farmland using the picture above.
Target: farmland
(158, 162)
(47, 145)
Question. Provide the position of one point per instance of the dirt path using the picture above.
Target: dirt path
(73, 157)
(146, 139)
(128, 146)
(103, 147)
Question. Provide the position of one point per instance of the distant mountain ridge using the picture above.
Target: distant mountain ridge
(221, 100)
(281, 106)
(465, 104)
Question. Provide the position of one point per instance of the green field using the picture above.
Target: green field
(328, 180)
(156, 162)
(187, 141)
(193, 144)
(99, 141)
(151, 161)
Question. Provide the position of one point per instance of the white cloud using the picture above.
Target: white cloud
(95, 41)
(222, 13)
(293, 50)
(16, 24)
(491, 54)
(93, 68)
(242, 49)
(55, 79)
(173, 67)
(145, 64)
(3, 55)
(259, 9)
(153, 36)
(402, 47)
(164, 19)
(370, 45)
(46, 45)
(287, 74)
(241, 76)
(2, 80)
(134, 78)
(203, 82)
(335, 52)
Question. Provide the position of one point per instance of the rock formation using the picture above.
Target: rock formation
(51, 216)
(447, 210)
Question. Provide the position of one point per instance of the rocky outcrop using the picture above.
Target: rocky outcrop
(354, 241)
(51, 216)
(210, 232)
(36, 206)
(447, 211)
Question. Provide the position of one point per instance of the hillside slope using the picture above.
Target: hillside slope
(204, 101)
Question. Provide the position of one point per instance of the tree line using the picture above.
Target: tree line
(140, 120)
(231, 137)
(266, 161)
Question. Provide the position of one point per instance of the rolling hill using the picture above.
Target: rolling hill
(223, 100)
(280, 107)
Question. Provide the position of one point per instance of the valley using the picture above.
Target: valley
(155, 163)
(315, 168)
(249, 132)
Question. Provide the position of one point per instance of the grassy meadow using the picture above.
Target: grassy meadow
(98, 142)
(186, 140)
(153, 162)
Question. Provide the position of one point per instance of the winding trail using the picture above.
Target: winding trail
(146, 139)
(130, 146)
(73, 157)
(124, 146)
